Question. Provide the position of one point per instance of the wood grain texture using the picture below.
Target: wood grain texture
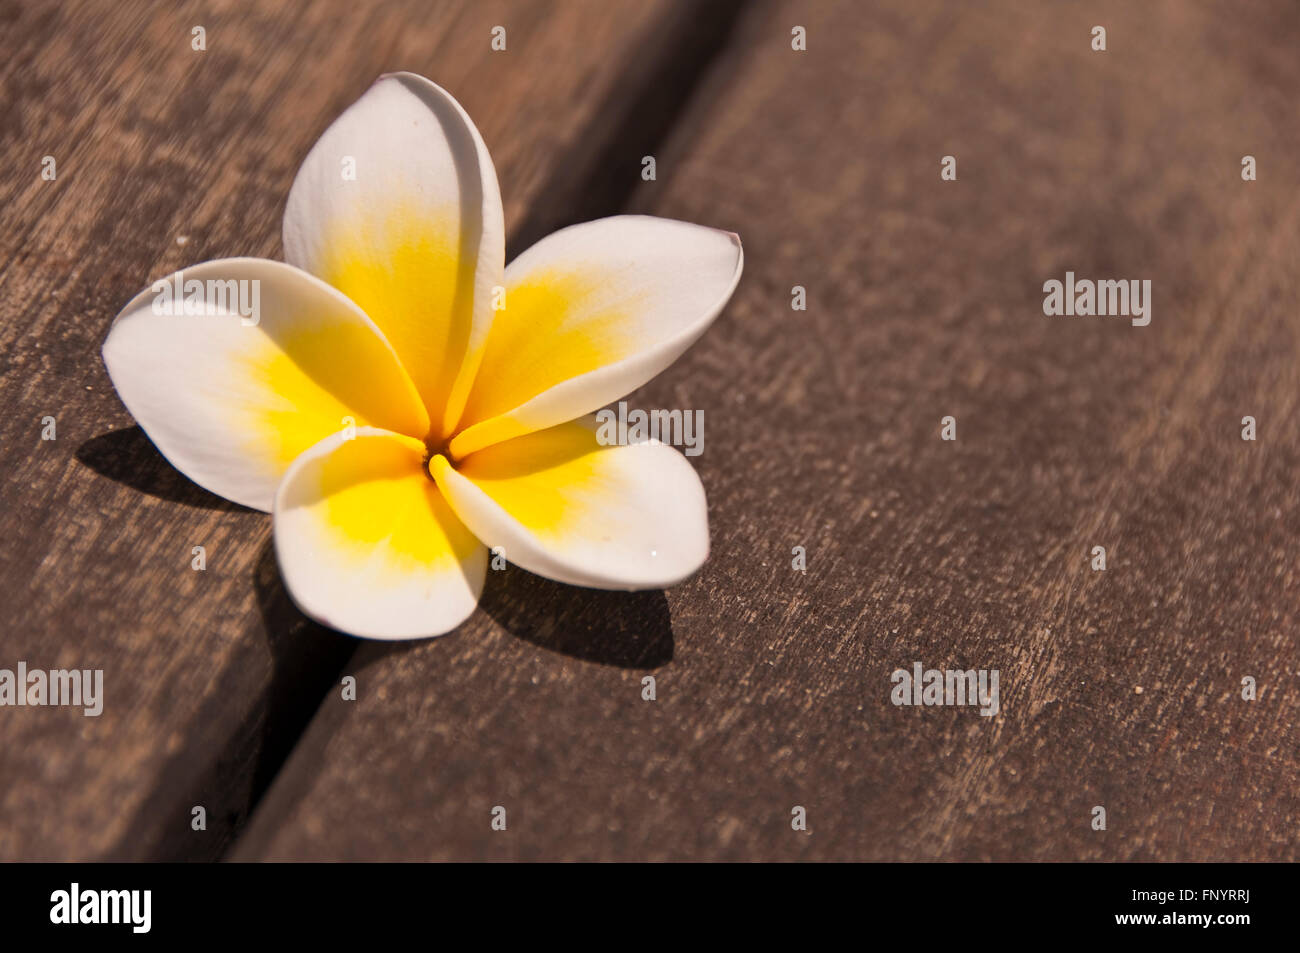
(165, 157)
(925, 300)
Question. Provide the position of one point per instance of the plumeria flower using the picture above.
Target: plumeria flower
(401, 401)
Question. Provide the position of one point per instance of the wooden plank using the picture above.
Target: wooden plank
(167, 156)
(1119, 689)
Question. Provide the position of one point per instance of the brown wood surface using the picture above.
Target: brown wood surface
(209, 676)
(924, 300)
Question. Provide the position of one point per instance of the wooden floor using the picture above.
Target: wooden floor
(1120, 689)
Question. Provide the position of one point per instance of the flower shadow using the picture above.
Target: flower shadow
(129, 457)
(623, 629)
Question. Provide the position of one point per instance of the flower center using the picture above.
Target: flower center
(433, 447)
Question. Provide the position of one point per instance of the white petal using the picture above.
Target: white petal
(230, 402)
(397, 206)
(368, 546)
(563, 506)
(591, 313)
